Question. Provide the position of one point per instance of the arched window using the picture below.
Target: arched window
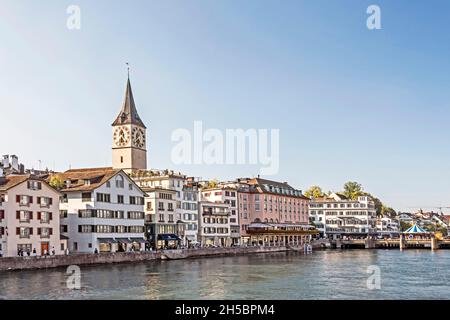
(265, 220)
(119, 181)
(257, 220)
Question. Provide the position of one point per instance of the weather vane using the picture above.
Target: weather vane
(128, 69)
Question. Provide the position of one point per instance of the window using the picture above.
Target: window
(86, 196)
(119, 198)
(161, 206)
(85, 228)
(132, 200)
(170, 207)
(24, 216)
(24, 232)
(24, 200)
(119, 182)
(103, 197)
(135, 215)
(161, 218)
(64, 228)
(34, 185)
(45, 217)
(44, 202)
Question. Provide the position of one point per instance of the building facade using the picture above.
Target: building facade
(336, 216)
(29, 216)
(227, 194)
(214, 224)
(270, 202)
(173, 183)
(102, 210)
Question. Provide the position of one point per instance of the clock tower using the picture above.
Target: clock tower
(129, 139)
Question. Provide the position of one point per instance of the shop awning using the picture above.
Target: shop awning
(106, 240)
(139, 240)
(123, 240)
(168, 237)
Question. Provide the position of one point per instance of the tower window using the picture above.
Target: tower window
(121, 159)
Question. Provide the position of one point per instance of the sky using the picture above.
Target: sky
(351, 103)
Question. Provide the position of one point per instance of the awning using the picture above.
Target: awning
(191, 237)
(106, 240)
(63, 237)
(123, 240)
(168, 237)
(139, 240)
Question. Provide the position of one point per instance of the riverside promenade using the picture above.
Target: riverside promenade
(45, 262)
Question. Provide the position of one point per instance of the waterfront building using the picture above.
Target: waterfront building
(387, 226)
(190, 213)
(272, 212)
(173, 183)
(102, 210)
(161, 228)
(29, 216)
(337, 216)
(227, 194)
(214, 224)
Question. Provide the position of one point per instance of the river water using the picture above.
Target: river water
(329, 274)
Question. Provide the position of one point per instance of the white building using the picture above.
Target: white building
(165, 180)
(387, 225)
(29, 216)
(336, 216)
(102, 210)
(214, 224)
(227, 195)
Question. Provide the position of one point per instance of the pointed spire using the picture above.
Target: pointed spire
(128, 114)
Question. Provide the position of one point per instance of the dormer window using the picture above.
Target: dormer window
(87, 182)
(123, 117)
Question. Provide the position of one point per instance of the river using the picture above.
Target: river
(329, 274)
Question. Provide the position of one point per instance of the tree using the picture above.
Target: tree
(352, 189)
(314, 191)
(56, 182)
(404, 225)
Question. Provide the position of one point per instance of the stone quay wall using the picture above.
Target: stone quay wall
(29, 263)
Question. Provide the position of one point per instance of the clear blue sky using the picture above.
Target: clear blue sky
(351, 104)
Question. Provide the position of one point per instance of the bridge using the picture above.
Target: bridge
(400, 243)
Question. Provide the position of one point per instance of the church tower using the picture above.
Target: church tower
(129, 141)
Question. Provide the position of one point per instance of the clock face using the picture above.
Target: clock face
(138, 137)
(121, 136)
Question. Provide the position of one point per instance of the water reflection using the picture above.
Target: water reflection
(411, 274)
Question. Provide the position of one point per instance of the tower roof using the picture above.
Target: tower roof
(128, 114)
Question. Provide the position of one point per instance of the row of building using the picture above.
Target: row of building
(129, 207)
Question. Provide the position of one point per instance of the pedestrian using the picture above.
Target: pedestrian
(45, 252)
(53, 251)
(34, 252)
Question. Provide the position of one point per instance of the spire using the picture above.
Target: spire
(128, 114)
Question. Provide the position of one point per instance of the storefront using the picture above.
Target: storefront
(106, 244)
(168, 241)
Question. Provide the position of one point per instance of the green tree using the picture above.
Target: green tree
(404, 225)
(56, 182)
(314, 191)
(352, 189)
